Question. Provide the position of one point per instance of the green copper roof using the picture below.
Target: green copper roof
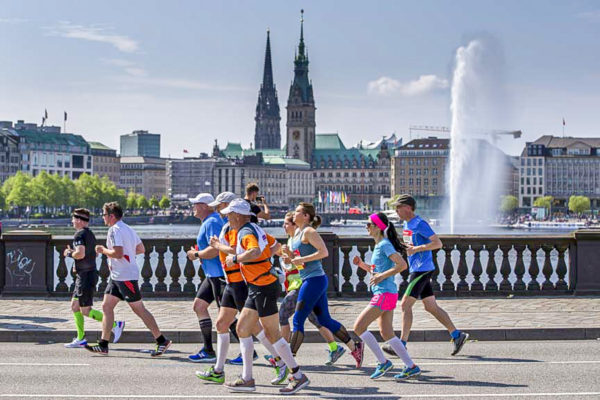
(99, 146)
(291, 162)
(328, 141)
(34, 136)
(235, 150)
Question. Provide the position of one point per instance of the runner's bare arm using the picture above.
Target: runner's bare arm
(247, 256)
(140, 249)
(79, 252)
(116, 252)
(399, 264)
(316, 240)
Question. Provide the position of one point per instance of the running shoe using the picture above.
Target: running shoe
(407, 373)
(117, 330)
(294, 385)
(240, 385)
(271, 360)
(238, 360)
(459, 342)
(203, 357)
(381, 369)
(96, 348)
(76, 343)
(280, 374)
(161, 348)
(358, 353)
(211, 376)
(335, 355)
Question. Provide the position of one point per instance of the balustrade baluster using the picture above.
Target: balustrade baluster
(519, 268)
(175, 270)
(147, 271)
(435, 285)
(561, 267)
(189, 272)
(448, 269)
(104, 273)
(534, 269)
(361, 286)
(462, 270)
(505, 269)
(73, 275)
(346, 270)
(61, 270)
(161, 269)
(477, 269)
(490, 269)
(547, 268)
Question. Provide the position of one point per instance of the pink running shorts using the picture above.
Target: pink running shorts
(385, 301)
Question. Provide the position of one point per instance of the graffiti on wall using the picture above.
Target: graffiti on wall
(19, 268)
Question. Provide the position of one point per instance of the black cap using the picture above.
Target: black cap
(405, 199)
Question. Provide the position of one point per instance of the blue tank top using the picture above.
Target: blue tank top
(311, 268)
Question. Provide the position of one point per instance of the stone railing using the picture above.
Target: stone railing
(33, 263)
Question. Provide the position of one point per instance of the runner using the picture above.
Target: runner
(420, 240)
(292, 284)
(211, 288)
(86, 278)
(387, 262)
(122, 246)
(253, 255)
(307, 251)
(233, 300)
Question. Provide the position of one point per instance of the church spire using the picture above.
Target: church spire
(301, 45)
(267, 134)
(268, 70)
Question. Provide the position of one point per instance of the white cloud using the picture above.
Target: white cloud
(592, 16)
(174, 83)
(424, 84)
(128, 66)
(94, 33)
(13, 20)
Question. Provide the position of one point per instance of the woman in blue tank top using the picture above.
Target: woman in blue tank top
(307, 251)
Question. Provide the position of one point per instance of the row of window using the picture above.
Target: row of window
(418, 161)
(411, 171)
(417, 181)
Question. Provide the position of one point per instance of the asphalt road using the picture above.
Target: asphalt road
(484, 370)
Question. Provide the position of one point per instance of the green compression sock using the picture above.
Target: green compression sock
(332, 346)
(78, 316)
(97, 315)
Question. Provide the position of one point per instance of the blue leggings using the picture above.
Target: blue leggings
(313, 297)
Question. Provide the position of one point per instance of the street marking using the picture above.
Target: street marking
(46, 364)
(316, 395)
(533, 362)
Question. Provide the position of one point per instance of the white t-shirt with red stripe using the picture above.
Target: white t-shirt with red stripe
(126, 268)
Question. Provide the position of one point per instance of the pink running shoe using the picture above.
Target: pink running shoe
(358, 353)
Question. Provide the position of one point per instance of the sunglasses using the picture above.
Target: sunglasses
(369, 224)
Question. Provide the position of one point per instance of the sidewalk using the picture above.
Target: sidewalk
(524, 318)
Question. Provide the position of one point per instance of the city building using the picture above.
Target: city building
(47, 149)
(267, 134)
(10, 158)
(140, 144)
(190, 176)
(560, 167)
(105, 161)
(144, 175)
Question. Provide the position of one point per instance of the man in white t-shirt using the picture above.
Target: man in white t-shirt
(122, 246)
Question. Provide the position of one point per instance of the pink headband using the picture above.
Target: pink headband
(377, 221)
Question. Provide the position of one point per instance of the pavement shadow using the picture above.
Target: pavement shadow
(482, 358)
(24, 327)
(39, 320)
(450, 381)
(322, 392)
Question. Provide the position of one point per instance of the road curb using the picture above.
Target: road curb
(312, 336)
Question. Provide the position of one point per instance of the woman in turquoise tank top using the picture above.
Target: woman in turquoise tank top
(308, 249)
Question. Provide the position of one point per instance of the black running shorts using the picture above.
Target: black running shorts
(235, 295)
(263, 299)
(211, 289)
(85, 286)
(419, 285)
(124, 290)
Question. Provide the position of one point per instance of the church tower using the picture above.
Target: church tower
(267, 134)
(301, 107)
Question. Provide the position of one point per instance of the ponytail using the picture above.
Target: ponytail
(314, 219)
(390, 233)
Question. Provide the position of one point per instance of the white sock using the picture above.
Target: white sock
(222, 349)
(399, 348)
(247, 348)
(262, 338)
(283, 348)
(370, 341)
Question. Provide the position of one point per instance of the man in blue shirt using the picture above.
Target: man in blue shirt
(212, 286)
(420, 241)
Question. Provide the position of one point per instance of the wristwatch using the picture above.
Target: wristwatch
(197, 254)
(235, 261)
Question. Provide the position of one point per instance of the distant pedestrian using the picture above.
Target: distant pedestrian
(386, 263)
(258, 203)
(420, 241)
(86, 278)
(122, 246)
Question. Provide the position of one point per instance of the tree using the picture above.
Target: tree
(153, 202)
(545, 202)
(509, 204)
(45, 191)
(164, 202)
(579, 204)
(142, 202)
(68, 191)
(20, 190)
(131, 201)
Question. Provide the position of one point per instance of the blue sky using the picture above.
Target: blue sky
(191, 70)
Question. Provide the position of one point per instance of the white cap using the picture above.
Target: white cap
(205, 198)
(225, 197)
(238, 206)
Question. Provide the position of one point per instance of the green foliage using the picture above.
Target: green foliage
(545, 202)
(154, 202)
(579, 204)
(508, 204)
(142, 202)
(132, 200)
(19, 190)
(164, 202)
